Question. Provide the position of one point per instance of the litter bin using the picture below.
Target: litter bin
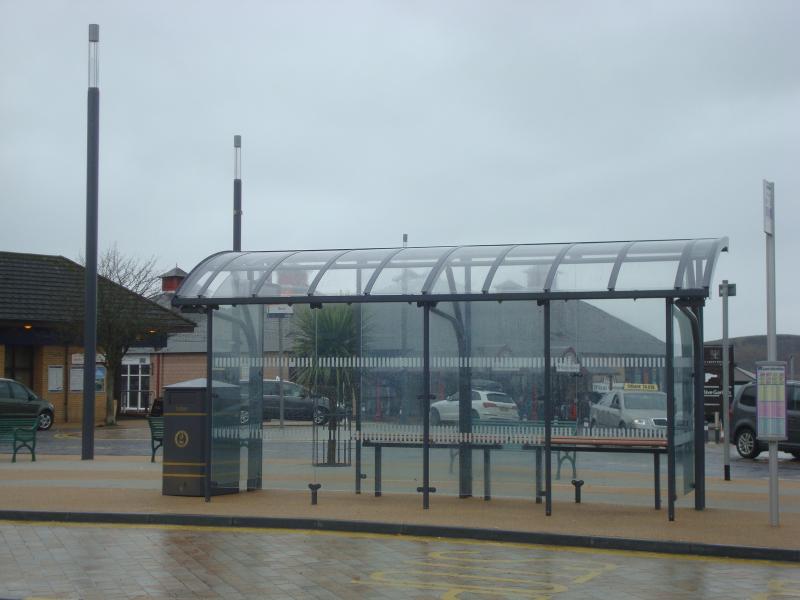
(185, 431)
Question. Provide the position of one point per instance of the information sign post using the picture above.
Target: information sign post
(771, 411)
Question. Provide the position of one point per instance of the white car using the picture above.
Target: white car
(486, 406)
(630, 409)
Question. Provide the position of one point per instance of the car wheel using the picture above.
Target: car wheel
(475, 416)
(45, 420)
(320, 416)
(622, 425)
(746, 444)
(436, 418)
(593, 424)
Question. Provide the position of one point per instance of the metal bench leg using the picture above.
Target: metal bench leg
(377, 471)
(487, 483)
(657, 476)
(558, 460)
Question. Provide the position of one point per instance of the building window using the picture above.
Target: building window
(19, 364)
(135, 387)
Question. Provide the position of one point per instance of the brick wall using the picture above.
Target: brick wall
(167, 369)
(68, 405)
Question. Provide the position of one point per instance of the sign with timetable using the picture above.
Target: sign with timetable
(771, 402)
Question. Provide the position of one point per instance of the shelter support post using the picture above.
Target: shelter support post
(670, 375)
(360, 384)
(548, 413)
(694, 313)
(465, 395)
(699, 413)
(426, 395)
(209, 401)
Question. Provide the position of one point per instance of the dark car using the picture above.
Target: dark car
(16, 400)
(298, 403)
(744, 427)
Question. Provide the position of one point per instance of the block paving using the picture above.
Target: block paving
(48, 561)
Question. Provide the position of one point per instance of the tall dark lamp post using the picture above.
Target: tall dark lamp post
(90, 297)
(237, 193)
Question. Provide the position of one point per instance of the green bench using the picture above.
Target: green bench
(564, 428)
(21, 432)
(559, 428)
(156, 435)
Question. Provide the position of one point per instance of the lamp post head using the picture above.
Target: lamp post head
(237, 157)
(94, 68)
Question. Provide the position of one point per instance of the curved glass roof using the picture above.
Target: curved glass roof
(652, 268)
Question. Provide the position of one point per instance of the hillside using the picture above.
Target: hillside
(751, 348)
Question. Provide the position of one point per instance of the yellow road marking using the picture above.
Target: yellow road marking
(780, 588)
(388, 536)
(453, 591)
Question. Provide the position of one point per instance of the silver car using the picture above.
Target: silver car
(630, 409)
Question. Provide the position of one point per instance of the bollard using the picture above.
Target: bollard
(577, 483)
(314, 487)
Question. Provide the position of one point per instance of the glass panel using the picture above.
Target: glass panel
(407, 271)
(295, 273)
(684, 403)
(202, 273)
(608, 385)
(651, 265)
(587, 267)
(466, 270)
(311, 389)
(391, 400)
(351, 272)
(236, 411)
(525, 268)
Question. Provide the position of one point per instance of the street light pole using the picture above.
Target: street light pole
(726, 290)
(772, 339)
(237, 193)
(90, 289)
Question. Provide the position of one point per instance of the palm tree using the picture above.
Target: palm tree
(333, 332)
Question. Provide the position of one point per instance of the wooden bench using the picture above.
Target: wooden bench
(21, 432)
(655, 446)
(156, 435)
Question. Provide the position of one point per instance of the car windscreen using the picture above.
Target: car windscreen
(495, 397)
(293, 390)
(646, 401)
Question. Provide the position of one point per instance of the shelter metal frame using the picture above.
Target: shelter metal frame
(695, 261)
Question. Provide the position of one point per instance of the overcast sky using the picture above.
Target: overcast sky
(456, 122)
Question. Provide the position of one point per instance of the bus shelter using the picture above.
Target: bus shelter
(459, 347)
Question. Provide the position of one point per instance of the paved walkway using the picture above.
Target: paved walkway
(122, 562)
(617, 498)
(132, 485)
